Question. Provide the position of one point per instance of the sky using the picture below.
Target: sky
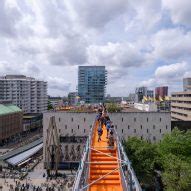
(141, 43)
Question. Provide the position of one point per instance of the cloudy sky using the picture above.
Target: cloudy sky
(141, 42)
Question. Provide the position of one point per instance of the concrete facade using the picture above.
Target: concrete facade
(151, 126)
(147, 125)
(181, 106)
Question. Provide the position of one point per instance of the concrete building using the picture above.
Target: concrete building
(161, 92)
(10, 121)
(181, 106)
(147, 125)
(27, 93)
(187, 84)
(72, 129)
(142, 92)
(92, 83)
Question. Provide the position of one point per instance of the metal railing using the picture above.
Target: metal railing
(128, 178)
(83, 170)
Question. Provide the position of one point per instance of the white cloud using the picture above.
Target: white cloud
(97, 14)
(169, 75)
(180, 11)
(173, 44)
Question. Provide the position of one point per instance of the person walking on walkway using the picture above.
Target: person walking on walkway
(100, 132)
(108, 126)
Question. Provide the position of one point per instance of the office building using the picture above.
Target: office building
(92, 83)
(10, 121)
(27, 93)
(140, 92)
(161, 92)
(187, 84)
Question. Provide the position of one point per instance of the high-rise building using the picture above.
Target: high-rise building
(27, 93)
(140, 92)
(92, 83)
(161, 92)
(187, 84)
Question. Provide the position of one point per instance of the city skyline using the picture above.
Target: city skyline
(48, 40)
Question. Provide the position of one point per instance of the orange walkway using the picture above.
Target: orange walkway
(102, 164)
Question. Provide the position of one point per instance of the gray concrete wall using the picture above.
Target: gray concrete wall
(142, 124)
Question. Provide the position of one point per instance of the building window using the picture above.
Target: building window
(128, 127)
(72, 130)
(154, 138)
(134, 119)
(141, 137)
(59, 119)
(59, 130)
(90, 126)
(84, 119)
(166, 126)
(78, 126)
(147, 130)
(160, 130)
(72, 119)
(160, 119)
(141, 127)
(84, 130)
(153, 126)
(147, 119)
(116, 126)
(122, 131)
(65, 126)
(134, 130)
(122, 119)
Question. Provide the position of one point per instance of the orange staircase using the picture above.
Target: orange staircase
(104, 172)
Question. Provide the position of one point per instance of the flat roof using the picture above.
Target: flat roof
(181, 93)
(21, 149)
(8, 109)
(24, 155)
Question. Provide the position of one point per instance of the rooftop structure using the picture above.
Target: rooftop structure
(27, 93)
(92, 83)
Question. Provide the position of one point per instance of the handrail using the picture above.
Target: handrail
(128, 163)
(82, 162)
(119, 155)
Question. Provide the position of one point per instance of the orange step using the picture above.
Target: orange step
(103, 164)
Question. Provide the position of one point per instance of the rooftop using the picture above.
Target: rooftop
(7, 109)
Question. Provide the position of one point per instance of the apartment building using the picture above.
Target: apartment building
(181, 106)
(27, 93)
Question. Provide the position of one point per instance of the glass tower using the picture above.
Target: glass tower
(91, 83)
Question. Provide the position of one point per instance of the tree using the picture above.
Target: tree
(177, 174)
(144, 157)
(50, 106)
(113, 107)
